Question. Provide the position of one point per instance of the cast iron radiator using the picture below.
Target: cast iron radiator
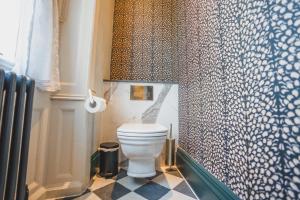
(16, 100)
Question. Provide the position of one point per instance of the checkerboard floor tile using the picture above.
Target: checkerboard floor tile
(167, 185)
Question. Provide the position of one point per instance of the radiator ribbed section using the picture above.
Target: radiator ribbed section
(16, 99)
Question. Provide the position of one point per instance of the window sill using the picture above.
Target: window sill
(6, 64)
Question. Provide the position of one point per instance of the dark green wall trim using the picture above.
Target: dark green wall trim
(94, 163)
(205, 185)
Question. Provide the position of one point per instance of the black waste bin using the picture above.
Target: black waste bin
(109, 159)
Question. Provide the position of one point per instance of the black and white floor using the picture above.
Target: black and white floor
(167, 185)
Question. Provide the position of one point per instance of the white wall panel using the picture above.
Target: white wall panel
(60, 146)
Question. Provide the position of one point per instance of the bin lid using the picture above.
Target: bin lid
(109, 145)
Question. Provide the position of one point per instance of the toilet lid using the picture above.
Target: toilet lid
(142, 130)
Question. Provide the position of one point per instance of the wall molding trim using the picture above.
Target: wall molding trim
(37, 191)
(68, 97)
(204, 184)
(71, 188)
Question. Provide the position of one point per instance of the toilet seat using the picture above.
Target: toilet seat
(142, 135)
(142, 130)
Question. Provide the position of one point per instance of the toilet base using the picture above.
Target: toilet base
(141, 168)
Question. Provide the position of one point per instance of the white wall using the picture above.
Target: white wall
(105, 36)
(37, 166)
(61, 141)
(102, 55)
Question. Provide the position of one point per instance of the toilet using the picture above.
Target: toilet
(141, 144)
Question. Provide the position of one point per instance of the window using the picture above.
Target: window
(9, 28)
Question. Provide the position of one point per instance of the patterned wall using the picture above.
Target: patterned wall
(144, 41)
(238, 66)
(239, 92)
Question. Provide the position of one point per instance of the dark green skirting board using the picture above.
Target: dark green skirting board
(94, 163)
(204, 184)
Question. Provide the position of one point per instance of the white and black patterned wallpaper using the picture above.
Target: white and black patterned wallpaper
(144, 41)
(238, 67)
(239, 93)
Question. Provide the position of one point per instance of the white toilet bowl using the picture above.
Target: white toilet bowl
(141, 144)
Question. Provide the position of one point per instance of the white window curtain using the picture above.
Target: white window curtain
(38, 44)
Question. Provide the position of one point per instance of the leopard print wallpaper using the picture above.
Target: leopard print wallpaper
(238, 67)
(144, 41)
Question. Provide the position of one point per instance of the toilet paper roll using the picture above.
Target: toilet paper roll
(95, 104)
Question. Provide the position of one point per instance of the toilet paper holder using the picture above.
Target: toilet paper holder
(92, 101)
